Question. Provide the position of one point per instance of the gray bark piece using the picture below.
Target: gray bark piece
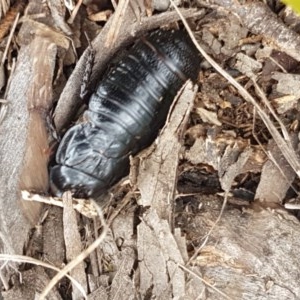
(123, 286)
(259, 19)
(73, 245)
(274, 183)
(288, 84)
(120, 260)
(12, 148)
(158, 172)
(228, 160)
(53, 239)
(158, 252)
(181, 243)
(249, 255)
(99, 294)
(159, 255)
(15, 149)
(152, 264)
(34, 282)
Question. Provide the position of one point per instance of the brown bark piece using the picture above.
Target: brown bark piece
(39, 104)
(23, 141)
(73, 244)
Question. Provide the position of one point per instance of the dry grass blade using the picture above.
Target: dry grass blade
(30, 260)
(285, 148)
(117, 22)
(79, 258)
(7, 21)
(74, 12)
(3, 107)
(4, 6)
(11, 33)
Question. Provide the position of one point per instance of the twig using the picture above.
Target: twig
(117, 22)
(85, 207)
(12, 31)
(74, 12)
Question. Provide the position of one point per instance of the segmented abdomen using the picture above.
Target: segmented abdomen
(125, 113)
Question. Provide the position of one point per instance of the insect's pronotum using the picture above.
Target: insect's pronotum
(126, 111)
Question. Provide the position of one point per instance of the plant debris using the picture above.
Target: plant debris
(202, 214)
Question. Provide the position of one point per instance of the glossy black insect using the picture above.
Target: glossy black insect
(124, 115)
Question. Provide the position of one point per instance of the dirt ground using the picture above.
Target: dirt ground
(208, 211)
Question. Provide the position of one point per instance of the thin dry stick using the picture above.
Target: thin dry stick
(4, 105)
(12, 31)
(74, 12)
(33, 261)
(13, 67)
(3, 278)
(4, 7)
(292, 206)
(83, 206)
(204, 281)
(288, 153)
(117, 22)
(79, 258)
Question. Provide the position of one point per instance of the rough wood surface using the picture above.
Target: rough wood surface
(73, 244)
(53, 239)
(158, 172)
(33, 283)
(250, 255)
(24, 143)
(259, 19)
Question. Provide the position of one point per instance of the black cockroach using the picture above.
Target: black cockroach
(126, 111)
